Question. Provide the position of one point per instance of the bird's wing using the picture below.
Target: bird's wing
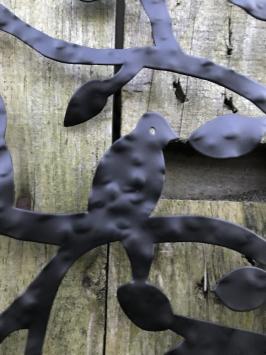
(111, 173)
(208, 230)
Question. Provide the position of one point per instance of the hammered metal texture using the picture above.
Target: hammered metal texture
(122, 200)
(166, 54)
(120, 204)
(229, 136)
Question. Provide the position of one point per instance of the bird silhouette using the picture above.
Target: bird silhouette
(130, 176)
(126, 187)
(128, 183)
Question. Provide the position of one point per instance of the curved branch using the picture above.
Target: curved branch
(167, 56)
(161, 23)
(202, 68)
(150, 309)
(55, 49)
(31, 310)
(205, 337)
(210, 231)
(40, 227)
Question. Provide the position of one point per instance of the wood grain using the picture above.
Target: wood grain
(186, 273)
(204, 28)
(54, 166)
(212, 29)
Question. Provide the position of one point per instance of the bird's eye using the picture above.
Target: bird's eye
(152, 131)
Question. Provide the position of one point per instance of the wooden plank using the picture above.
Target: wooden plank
(54, 166)
(238, 179)
(181, 271)
(204, 28)
(228, 36)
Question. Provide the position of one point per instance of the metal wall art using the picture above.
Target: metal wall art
(122, 200)
(166, 54)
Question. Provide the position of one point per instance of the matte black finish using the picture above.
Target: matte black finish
(243, 289)
(255, 8)
(203, 338)
(166, 54)
(229, 136)
(126, 187)
(149, 307)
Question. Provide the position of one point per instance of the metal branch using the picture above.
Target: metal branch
(202, 68)
(202, 336)
(150, 309)
(167, 55)
(161, 23)
(56, 229)
(210, 231)
(55, 49)
(31, 310)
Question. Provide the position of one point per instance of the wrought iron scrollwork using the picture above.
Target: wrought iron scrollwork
(119, 207)
(121, 200)
(165, 55)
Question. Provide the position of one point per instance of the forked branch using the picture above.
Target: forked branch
(165, 55)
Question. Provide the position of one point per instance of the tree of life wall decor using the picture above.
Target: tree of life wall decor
(121, 200)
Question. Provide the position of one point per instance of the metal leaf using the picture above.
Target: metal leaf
(228, 136)
(87, 102)
(243, 289)
(146, 306)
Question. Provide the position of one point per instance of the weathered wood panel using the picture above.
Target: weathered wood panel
(228, 36)
(181, 271)
(54, 166)
(204, 28)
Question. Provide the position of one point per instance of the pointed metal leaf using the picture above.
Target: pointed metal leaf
(228, 136)
(243, 289)
(87, 102)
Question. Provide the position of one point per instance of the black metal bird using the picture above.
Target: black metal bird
(128, 183)
(126, 188)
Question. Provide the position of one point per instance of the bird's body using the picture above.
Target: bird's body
(128, 183)
(129, 179)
